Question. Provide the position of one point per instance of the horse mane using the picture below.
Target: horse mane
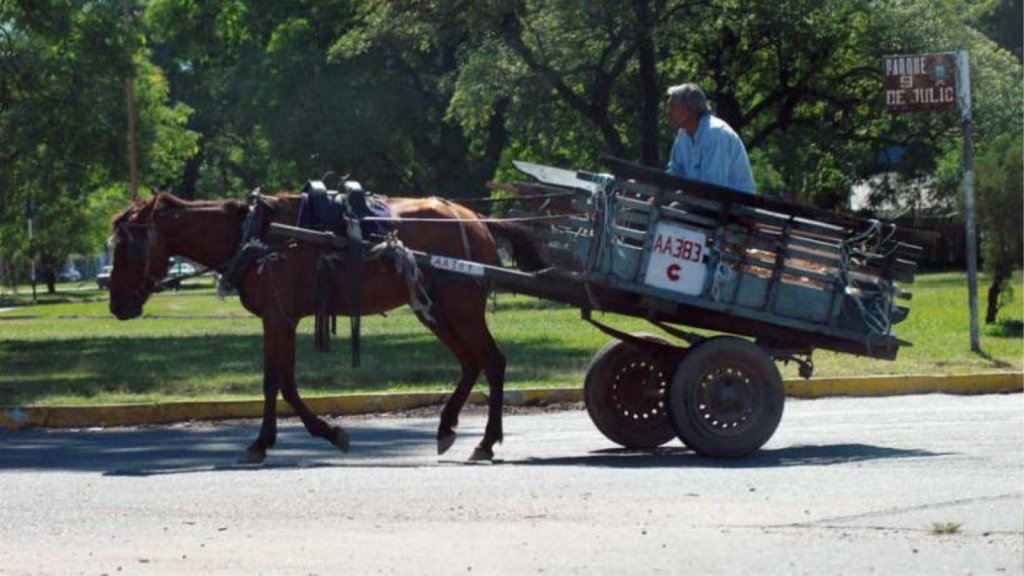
(166, 199)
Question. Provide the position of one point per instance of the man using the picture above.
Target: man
(706, 148)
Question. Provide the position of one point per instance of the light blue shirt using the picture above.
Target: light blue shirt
(715, 154)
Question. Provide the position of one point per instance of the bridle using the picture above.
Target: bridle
(138, 250)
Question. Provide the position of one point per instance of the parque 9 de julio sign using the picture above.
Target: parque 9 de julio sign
(920, 82)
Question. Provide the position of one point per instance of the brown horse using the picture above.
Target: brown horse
(280, 289)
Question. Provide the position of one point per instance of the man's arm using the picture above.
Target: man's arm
(741, 177)
(675, 159)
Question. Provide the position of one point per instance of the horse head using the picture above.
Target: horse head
(141, 257)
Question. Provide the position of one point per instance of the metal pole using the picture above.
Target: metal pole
(129, 89)
(32, 253)
(963, 88)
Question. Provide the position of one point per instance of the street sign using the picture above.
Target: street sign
(939, 83)
(920, 82)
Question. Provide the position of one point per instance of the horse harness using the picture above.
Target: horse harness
(324, 210)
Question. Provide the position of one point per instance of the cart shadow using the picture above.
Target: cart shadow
(677, 457)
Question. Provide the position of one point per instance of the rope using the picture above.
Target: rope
(446, 220)
(603, 206)
(512, 198)
(874, 314)
(462, 229)
(405, 264)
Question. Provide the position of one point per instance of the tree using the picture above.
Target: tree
(1000, 191)
(62, 122)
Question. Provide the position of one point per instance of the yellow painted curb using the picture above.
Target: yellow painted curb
(165, 413)
(991, 383)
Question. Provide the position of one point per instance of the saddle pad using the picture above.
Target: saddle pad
(374, 229)
(326, 213)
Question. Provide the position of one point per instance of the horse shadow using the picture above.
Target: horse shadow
(192, 449)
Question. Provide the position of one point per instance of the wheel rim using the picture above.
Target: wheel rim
(727, 400)
(638, 391)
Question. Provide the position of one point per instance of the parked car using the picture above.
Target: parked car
(69, 274)
(181, 269)
(103, 278)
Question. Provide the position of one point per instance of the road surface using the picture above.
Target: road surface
(846, 486)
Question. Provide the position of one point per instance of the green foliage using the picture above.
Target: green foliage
(422, 98)
(62, 119)
(1000, 200)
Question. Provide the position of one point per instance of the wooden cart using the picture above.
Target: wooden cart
(683, 254)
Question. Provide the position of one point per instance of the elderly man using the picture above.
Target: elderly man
(706, 148)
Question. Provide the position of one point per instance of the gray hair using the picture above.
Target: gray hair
(691, 96)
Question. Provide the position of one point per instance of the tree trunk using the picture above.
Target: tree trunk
(190, 176)
(648, 85)
(497, 139)
(1000, 279)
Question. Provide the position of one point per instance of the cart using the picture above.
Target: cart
(771, 280)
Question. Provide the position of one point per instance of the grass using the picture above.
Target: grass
(192, 344)
(946, 527)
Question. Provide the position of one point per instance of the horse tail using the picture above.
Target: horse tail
(524, 242)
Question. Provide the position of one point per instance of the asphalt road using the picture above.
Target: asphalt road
(851, 486)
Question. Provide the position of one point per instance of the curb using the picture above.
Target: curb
(18, 418)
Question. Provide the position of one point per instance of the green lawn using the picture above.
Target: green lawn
(192, 343)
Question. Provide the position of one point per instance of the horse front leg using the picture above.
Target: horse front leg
(315, 425)
(257, 451)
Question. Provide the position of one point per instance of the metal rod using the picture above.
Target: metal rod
(129, 90)
(964, 95)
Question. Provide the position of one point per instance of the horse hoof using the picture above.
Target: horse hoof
(252, 457)
(339, 438)
(482, 455)
(445, 442)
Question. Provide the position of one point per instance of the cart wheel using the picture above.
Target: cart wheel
(726, 398)
(625, 392)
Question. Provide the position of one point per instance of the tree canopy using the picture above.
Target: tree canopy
(420, 97)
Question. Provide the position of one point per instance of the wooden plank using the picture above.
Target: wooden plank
(662, 179)
(631, 234)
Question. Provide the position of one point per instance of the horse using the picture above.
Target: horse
(279, 289)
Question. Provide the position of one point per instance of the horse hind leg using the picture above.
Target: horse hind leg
(494, 368)
(473, 344)
(315, 425)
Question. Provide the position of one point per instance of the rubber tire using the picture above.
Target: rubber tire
(686, 417)
(597, 393)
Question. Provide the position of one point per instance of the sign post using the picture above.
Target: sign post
(941, 83)
(963, 73)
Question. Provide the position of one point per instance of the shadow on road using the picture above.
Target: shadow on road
(144, 452)
(152, 451)
(674, 457)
